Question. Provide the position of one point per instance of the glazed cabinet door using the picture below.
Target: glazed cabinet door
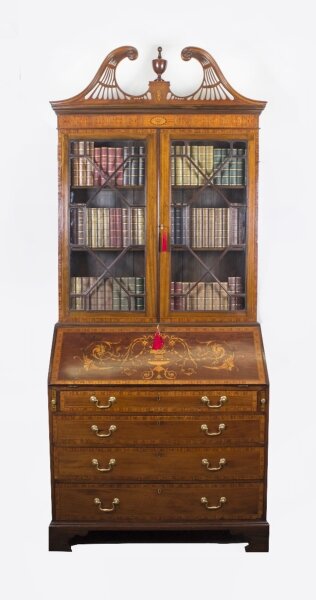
(108, 225)
(207, 225)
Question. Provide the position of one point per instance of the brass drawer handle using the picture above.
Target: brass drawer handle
(222, 501)
(95, 463)
(115, 502)
(221, 428)
(206, 401)
(95, 401)
(102, 434)
(221, 463)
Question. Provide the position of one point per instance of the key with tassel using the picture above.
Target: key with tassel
(158, 340)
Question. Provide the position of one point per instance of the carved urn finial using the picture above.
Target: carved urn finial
(159, 65)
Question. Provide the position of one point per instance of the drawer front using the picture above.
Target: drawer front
(158, 502)
(166, 464)
(162, 431)
(139, 401)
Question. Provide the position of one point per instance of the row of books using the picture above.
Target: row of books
(190, 295)
(193, 165)
(93, 166)
(107, 227)
(120, 293)
(207, 227)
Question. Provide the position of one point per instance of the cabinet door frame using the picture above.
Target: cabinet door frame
(249, 314)
(98, 316)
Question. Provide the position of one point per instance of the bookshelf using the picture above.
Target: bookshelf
(158, 388)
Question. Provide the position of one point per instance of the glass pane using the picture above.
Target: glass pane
(107, 225)
(208, 225)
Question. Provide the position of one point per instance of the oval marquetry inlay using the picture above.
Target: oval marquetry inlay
(158, 120)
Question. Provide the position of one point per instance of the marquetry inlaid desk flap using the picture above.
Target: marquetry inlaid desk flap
(197, 355)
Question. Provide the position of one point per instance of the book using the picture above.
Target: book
(234, 288)
(97, 166)
(178, 224)
(209, 162)
(225, 153)
(141, 166)
(134, 165)
(139, 293)
(94, 227)
(202, 165)
(217, 160)
(207, 295)
(215, 227)
(111, 166)
(232, 226)
(205, 238)
(113, 293)
(131, 285)
(172, 166)
(104, 165)
(118, 227)
(100, 227)
(177, 295)
(179, 151)
(233, 167)
(200, 296)
(186, 166)
(218, 228)
(172, 295)
(108, 294)
(211, 227)
(116, 295)
(119, 166)
(195, 174)
(126, 169)
(240, 167)
(106, 227)
(89, 151)
(101, 295)
(93, 292)
(82, 163)
(124, 295)
(140, 223)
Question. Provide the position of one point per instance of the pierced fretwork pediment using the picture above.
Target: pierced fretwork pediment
(104, 92)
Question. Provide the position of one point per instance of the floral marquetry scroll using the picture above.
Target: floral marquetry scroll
(104, 91)
(175, 359)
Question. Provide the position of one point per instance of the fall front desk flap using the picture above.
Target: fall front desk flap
(199, 355)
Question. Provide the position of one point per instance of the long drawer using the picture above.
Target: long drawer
(140, 401)
(163, 431)
(158, 502)
(149, 464)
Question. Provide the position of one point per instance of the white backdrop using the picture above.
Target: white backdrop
(51, 50)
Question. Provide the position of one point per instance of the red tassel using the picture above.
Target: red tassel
(163, 240)
(158, 340)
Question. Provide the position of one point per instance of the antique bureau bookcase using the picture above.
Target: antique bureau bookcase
(158, 388)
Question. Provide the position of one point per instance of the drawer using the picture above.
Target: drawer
(168, 464)
(158, 502)
(161, 431)
(139, 401)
